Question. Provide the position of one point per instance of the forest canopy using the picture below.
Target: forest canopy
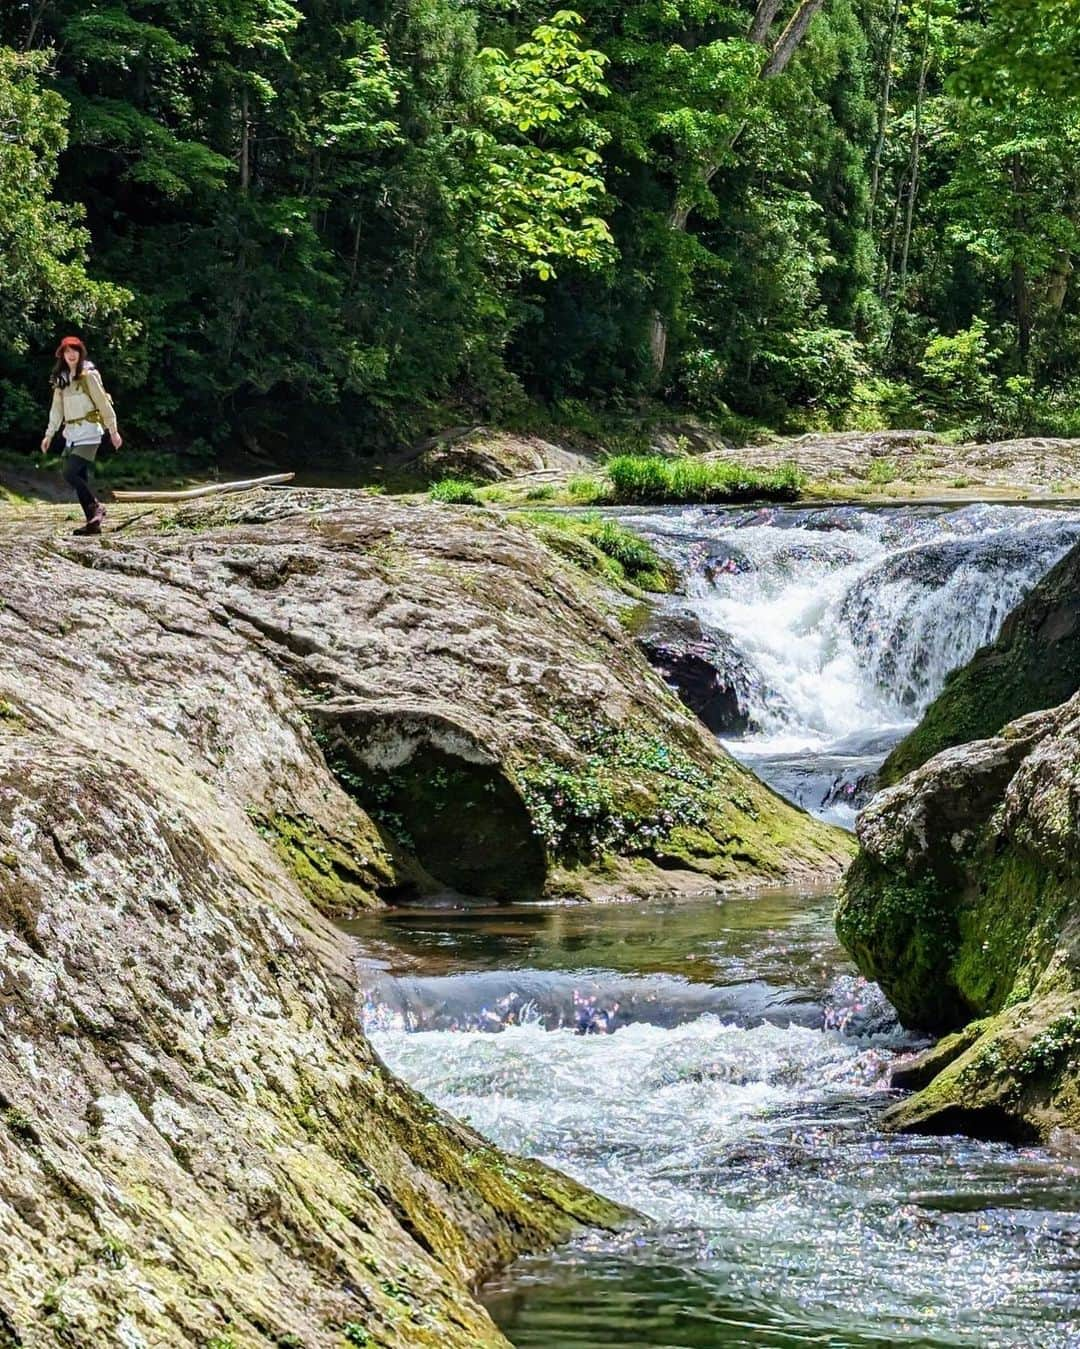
(340, 225)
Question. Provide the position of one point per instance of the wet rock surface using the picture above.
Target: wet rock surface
(1033, 664)
(963, 904)
(703, 667)
(217, 725)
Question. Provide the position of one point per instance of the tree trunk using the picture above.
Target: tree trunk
(1021, 290)
(35, 22)
(916, 152)
(762, 21)
(883, 113)
(355, 253)
(245, 142)
(789, 41)
(894, 238)
(1057, 286)
(785, 47)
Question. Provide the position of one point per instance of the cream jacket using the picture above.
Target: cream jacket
(83, 400)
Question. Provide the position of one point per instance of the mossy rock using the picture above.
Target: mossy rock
(964, 904)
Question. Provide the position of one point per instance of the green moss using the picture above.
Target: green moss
(339, 875)
(21, 1126)
(355, 1334)
(1007, 931)
(10, 716)
(603, 548)
(903, 933)
(1017, 1077)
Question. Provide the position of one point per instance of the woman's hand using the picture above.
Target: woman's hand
(116, 438)
(46, 441)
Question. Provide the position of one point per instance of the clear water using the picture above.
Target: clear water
(718, 1066)
(775, 1211)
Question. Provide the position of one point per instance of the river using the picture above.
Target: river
(717, 1065)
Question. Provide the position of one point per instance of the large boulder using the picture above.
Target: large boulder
(198, 1144)
(703, 667)
(407, 696)
(218, 725)
(964, 904)
(480, 454)
(1033, 664)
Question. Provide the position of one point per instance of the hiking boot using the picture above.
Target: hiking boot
(92, 526)
(97, 517)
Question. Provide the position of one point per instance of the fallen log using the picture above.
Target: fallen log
(211, 489)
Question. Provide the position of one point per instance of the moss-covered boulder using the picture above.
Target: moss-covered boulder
(964, 904)
(407, 696)
(1033, 664)
(198, 1144)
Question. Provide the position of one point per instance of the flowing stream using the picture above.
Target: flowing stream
(718, 1065)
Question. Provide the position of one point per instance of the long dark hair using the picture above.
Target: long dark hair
(61, 375)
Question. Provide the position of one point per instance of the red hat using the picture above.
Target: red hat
(71, 342)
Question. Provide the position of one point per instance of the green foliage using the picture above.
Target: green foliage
(317, 229)
(539, 187)
(616, 553)
(656, 479)
(1059, 1042)
(601, 804)
(43, 244)
(957, 368)
(882, 472)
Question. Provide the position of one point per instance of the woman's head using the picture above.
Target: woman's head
(70, 359)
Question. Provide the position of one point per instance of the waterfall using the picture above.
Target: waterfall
(849, 619)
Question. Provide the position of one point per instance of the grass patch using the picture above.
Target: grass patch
(456, 492)
(585, 490)
(882, 472)
(602, 547)
(652, 478)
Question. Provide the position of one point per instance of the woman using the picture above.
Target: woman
(81, 405)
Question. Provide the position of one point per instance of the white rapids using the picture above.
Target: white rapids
(847, 620)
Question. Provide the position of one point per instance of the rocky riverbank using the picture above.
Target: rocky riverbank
(962, 902)
(218, 725)
(881, 466)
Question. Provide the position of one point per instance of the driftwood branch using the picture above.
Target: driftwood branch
(211, 489)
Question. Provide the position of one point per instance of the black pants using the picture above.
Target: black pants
(77, 475)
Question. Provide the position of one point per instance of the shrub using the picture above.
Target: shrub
(957, 369)
(882, 471)
(880, 404)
